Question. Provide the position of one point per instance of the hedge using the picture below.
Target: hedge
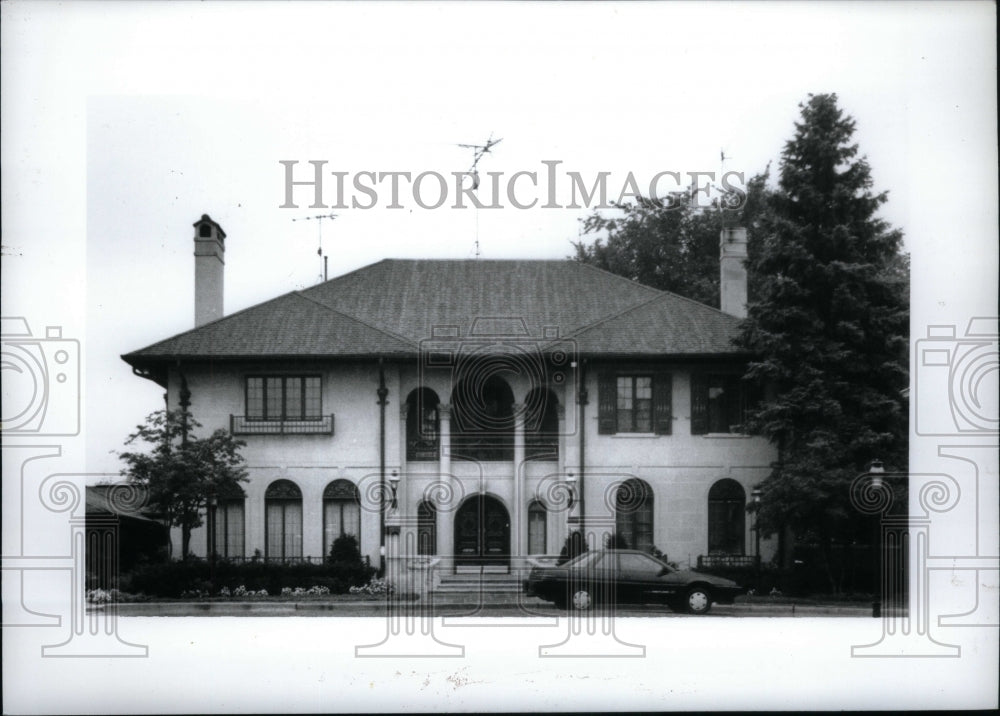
(171, 579)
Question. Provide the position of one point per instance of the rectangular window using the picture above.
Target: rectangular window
(634, 404)
(283, 526)
(229, 529)
(290, 397)
(719, 403)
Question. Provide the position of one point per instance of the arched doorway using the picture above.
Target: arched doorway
(727, 503)
(482, 532)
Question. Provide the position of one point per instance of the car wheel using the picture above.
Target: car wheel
(582, 600)
(698, 600)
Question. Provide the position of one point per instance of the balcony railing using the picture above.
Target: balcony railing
(242, 425)
(708, 561)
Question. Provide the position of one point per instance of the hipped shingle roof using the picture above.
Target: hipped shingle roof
(390, 307)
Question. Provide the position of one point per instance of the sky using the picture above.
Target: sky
(124, 123)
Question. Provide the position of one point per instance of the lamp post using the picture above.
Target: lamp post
(876, 470)
(571, 484)
(212, 506)
(755, 497)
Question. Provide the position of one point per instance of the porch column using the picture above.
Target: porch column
(557, 527)
(518, 508)
(445, 512)
(402, 498)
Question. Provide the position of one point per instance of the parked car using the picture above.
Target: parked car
(628, 576)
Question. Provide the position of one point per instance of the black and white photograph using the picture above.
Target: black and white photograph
(499, 356)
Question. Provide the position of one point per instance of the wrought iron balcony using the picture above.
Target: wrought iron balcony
(242, 425)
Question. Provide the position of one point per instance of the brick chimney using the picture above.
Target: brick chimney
(733, 272)
(209, 270)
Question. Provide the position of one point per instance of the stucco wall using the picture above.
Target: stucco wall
(680, 468)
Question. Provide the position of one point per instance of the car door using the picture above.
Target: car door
(639, 578)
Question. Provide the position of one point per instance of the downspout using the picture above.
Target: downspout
(383, 392)
(582, 403)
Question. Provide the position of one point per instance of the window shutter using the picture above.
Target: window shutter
(734, 400)
(607, 401)
(699, 404)
(662, 403)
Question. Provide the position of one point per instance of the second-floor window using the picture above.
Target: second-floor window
(635, 403)
(285, 397)
(719, 403)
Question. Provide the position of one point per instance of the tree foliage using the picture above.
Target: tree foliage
(829, 327)
(671, 243)
(180, 471)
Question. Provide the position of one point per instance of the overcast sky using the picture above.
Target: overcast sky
(123, 124)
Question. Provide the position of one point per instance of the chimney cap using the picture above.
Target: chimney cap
(206, 219)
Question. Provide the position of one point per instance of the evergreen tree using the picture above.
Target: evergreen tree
(829, 327)
(182, 472)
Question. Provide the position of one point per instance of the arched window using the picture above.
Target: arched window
(422, 425)
(726, 518)
(341, 512)
(283, 521)
(228, 531)
(426, 528)
(634, 515)
(536, 528)
(541, 425)
(482, 418)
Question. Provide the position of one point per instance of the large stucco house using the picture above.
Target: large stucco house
(476, 411)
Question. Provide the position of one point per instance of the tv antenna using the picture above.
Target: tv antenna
(319, 251)
(478, 151)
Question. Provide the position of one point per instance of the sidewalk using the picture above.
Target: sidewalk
(449, 602)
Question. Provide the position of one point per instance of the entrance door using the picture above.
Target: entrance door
(482, 532)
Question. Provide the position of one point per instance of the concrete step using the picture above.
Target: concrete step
(479, 584)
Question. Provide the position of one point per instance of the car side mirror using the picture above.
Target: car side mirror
(663, 570)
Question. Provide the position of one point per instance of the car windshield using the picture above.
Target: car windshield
(584, 560)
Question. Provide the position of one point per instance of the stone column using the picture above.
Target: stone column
(402, 497)
(517, 507)
(557, 527)
(445, 513)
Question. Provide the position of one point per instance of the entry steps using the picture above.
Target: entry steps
(476, 583)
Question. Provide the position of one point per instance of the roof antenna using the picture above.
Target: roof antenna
(319, 251)
(478, 150)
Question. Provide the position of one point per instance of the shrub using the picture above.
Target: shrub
(174, 579)
(573, 547)
(617, 541)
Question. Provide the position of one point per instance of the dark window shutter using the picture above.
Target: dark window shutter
(699, 404)
(607, 401)
(734, 400)
(662, 400)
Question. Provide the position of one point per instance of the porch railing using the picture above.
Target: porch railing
(708, 561)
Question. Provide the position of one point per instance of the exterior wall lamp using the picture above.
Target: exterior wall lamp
(875, 470)
(393, 529)
(394, 484)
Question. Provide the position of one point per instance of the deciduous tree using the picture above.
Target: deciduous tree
(182, 472)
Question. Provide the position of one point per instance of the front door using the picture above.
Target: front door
(482, 532)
